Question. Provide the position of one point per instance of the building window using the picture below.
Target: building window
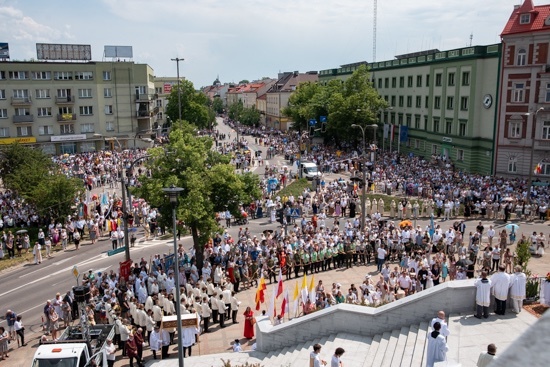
(24, 131)
(438, 80)
(426, 101)
(85, 93)
(410, 81)
(63, 75)
(44, 111)
(419, 80)
(86, 110)
(451, 80)
(64, 93)
(512, 165)
(392, 119)
(20, 75)
(515, 129)
(20, 93)
(409, 101)
(464, 103)
(450, 102)
(518, 92)
(466, 78)
(525, 18)
(448, 127)
(41, 75)
(418, 101)
(87, 147)
(416, 143)
(462, 129)
(159, 116)
(159, 102)
(437, 102)
(460, 155)
(401, 82)
(434, 149)
(545, 169)
(417, 122)
(401, 99)
(522, 57)
(379, 84)
(22, 112)
(45, 130)
(400, 119)
(546, 130)
(386, 83)
(3, 113)
(4, 132)
(428, 80)
(106, 75)
(42, 93)
(84, 75)
(2, 94)
(110, 126)
(394, 82)
(87, 128)
(436, 125)
(108, 109)
(547, 92)
(66, 129)
(65, 110)
(107, 92)
(425, 127)
(393, 100)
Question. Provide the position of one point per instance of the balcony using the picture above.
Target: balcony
(143, 114)
(21, 101)
(69, 100)
(142, 98)
(61, 117)
(23, 118)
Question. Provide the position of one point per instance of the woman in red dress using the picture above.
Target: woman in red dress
(249, 322)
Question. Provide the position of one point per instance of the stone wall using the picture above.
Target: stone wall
(451, 297)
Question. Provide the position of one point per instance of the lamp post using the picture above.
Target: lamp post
(124, 206)
(177, 60)
(173, 192)
(533, 135)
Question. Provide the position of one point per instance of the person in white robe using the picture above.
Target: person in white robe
(518, 282)
(437, 347)
(500, 283)
(483, 295)
(188, 339)
(170, 283)
(149, 303)
(155, 341)
(441, 319)
(142, 293)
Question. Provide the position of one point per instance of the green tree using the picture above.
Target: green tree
(217, 105)
(236, 110)
(210, 183)
(250, 116)
(194, 105)
(244, 81)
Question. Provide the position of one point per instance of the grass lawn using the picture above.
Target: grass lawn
(296, 188)
(6, 262)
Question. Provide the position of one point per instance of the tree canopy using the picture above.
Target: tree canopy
(210, 183)
(32, 175)
(195, 106)
(353, 102)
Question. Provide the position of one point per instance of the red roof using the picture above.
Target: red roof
(539, 14)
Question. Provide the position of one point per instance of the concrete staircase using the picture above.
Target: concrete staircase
(404, 347)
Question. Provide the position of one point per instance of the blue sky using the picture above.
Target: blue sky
(249, 39)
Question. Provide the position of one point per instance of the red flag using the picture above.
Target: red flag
(260, 297)
(280, 284)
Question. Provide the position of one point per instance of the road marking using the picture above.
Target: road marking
(62, 261)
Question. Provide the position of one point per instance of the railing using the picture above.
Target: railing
(143, 114)
(534, 288)
(67, 99)
(23, 118)
(66, 117)
(21, 100)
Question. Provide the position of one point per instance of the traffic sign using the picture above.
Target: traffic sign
(75, 272)
(323, 118)
(312, 122)
(295, 213)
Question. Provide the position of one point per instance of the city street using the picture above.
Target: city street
(26, 288)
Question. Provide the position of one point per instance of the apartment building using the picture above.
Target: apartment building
(70, 107)
(523, 138)
(443, 98)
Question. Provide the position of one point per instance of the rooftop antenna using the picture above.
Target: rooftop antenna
(471, 38)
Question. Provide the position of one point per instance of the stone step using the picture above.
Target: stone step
(356, 347)
(406, 361)
(400, 347)
(418, 354)
(453, 340)
(369, 359)
(391, 349)
(379, 357)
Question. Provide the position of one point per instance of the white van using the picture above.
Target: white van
(309, 170)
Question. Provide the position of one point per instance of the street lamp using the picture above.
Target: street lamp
(173, 192)
(124, 207)
(533, 135)
(177, 60)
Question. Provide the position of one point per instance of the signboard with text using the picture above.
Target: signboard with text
(167, 88)
(4, 50)
(27, 140)
(51, 51)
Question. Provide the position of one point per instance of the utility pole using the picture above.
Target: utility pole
(177, 60)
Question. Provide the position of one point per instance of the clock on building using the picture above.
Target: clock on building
(487, 100)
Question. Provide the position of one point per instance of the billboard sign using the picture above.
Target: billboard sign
(51, 51)
(119, 51)
(4, 50)
(167, 88)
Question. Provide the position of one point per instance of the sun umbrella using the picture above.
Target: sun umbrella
(512, 227)
(405, 223)
(21, 231)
